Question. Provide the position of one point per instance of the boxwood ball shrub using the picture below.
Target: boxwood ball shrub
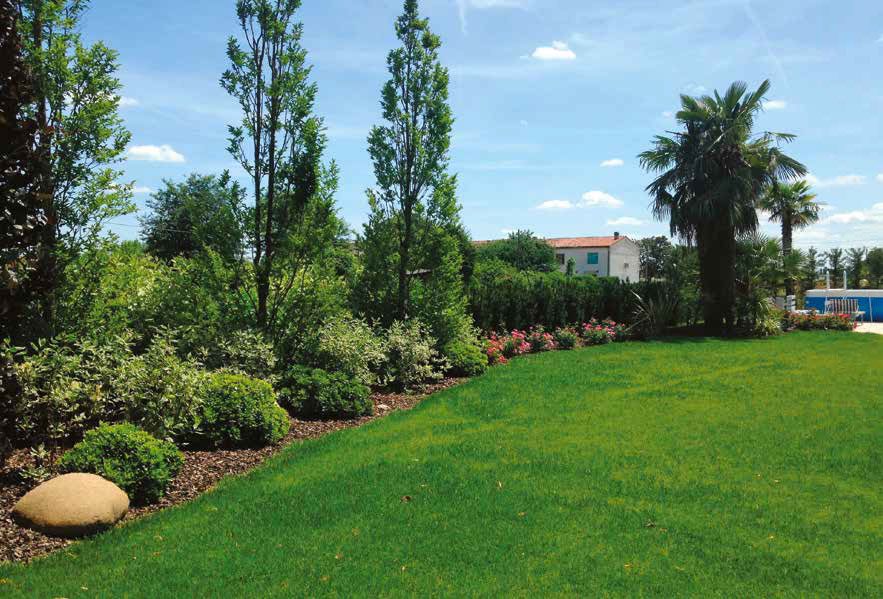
(315, 393)
(466, 359)
(138, 463)
(239, 411)
(566, 338)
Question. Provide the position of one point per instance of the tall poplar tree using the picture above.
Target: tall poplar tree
(410, 151)
(279, 143)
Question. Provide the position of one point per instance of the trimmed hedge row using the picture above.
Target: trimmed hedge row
(504, 299)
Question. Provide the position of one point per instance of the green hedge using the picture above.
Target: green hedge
(504, 298)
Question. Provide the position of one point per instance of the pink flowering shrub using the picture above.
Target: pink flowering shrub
(500, 347)
(814, 321)
(540, 340)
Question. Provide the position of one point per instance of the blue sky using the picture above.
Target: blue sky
(553, 98)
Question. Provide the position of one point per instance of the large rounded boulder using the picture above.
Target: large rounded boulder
(72, 505)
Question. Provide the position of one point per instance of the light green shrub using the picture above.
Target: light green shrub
(411, 358)
(350, 346)
(239, 411)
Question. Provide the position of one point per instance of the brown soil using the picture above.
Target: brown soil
(201, 471)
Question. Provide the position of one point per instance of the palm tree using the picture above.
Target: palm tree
(793, 205)
(711, 176)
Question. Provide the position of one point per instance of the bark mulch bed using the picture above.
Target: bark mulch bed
(201, 471)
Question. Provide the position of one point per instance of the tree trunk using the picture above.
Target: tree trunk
(717, 274)
(787, 244)
(404, 262)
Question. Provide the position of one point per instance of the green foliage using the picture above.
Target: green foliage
(139, 464)
(501, 297)
(349, 346)
(874, 262)
(757, 316)
(522, 250)
(566, 338)
(466, 358)
(653, 315)
(835, 263)
(203, 212)
(316, 393)
(244, 352)
(656, 257)
(10, 392)
(710, 176)
(109, 289)
(65, 388)
(411, 356)
(201, 299)
(161, 392)
(239, 411)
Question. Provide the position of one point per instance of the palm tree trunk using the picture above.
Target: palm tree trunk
(787, 245)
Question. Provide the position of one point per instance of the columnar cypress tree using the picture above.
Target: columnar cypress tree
(410, 150)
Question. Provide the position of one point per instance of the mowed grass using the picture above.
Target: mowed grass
(700, 467)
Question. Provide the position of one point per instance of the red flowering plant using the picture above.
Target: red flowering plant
(493, 347)
(540, 340)
(815, 321)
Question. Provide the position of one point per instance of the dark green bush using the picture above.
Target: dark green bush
(138, 463)
(465, 359)
(315, 393)
(239, 411)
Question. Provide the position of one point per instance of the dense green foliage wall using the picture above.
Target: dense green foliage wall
(502, 297)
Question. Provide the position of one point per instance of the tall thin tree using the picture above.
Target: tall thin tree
(410, 151)
(280, 141)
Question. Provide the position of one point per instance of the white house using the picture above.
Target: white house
(615, 256)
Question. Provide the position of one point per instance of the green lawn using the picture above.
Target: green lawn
(699, 467)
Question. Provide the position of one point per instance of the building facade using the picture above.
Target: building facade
(614, 256)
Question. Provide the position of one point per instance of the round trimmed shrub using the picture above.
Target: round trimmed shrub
(465, 359)
(138, 463)
(566, 338)
(239, 411)
(315, 393)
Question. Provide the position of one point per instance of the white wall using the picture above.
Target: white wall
(623, 259)
(581, 258)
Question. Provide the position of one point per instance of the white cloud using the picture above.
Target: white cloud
(668, 114)
(556, 205)
(625, 220)
(599, 198)
(141, 190)
(163, 153)
(612, 163)
(694, 89)
(874, 215)
(838, 181)
(880, 41)
(126, 102)
(880, 177)
(557, 51)
(775, 105)
(524, 123)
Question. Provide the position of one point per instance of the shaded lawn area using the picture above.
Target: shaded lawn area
(698, 467)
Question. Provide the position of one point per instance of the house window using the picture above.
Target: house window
(593, 258)
(560, 258)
